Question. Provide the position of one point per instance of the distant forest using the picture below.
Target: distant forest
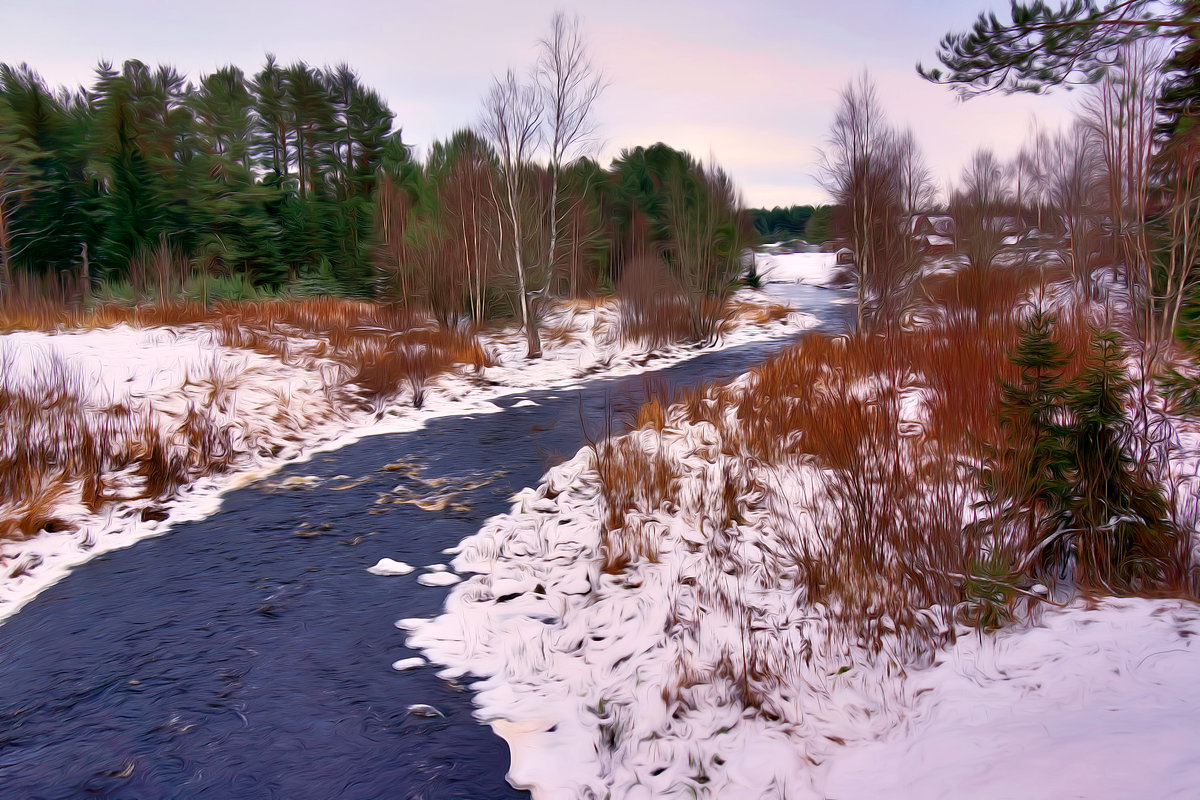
(810, 223)
(148, 185)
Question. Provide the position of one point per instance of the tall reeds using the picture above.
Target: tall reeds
(904, 456)
(65, 452)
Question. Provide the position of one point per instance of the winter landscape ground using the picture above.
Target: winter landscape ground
(216, 416)
(643, 625)
(509, 464)
(649, 620)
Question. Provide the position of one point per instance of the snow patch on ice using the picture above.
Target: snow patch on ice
(406, 664)
(388, 566)
(438, 579)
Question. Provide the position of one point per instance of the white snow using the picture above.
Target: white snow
(1093, 703)
(389, 566)
(406, 664)
(815, 269)
(411, 623)
(438, 579)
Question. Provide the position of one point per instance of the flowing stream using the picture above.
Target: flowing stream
(248, 655)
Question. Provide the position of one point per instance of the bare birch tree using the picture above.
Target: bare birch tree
(570, 86)
(873, 174)
(512, 120)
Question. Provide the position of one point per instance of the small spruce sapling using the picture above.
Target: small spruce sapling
(1116, 518)
(1025, 475)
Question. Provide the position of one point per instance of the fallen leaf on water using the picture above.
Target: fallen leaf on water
(432, 503)
(352, 484)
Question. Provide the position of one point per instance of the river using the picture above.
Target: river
(248, 655)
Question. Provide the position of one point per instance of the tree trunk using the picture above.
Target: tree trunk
(528, 318)
(5, 254)
(85, 276)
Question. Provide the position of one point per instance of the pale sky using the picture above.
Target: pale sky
(753, 84)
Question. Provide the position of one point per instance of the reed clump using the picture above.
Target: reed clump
(920, 483)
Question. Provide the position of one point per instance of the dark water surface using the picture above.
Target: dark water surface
(247, 655)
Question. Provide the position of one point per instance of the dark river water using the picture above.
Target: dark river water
(248, 655)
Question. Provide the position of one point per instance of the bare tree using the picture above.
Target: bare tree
(1076, 196)
(469, 189)
(1122, 112)
(980, 208)
(918, 192)
(512, 120)
(703, 215)
(570, 86)
(873, 173)
(395, 213)
(1178, 174)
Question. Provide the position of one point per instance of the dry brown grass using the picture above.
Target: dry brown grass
(54, 446)
(755, 313)
(894, 429)
(384, 349)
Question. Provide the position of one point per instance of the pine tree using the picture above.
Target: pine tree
(1116, 521)
(1026, 474)
(17, 174)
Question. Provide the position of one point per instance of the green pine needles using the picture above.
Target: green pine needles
(1117, 520)
(1069, 496)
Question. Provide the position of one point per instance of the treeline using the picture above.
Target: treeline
(296, 177)
(810, 223)
(271, 176)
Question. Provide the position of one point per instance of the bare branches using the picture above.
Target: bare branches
(980, 210)
(1123, 113)
(554, 109)
(878, 178)
(1076, 193)
(512, 119)
(570, 86)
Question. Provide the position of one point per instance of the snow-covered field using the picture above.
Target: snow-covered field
(635, 684)
(813, 269)
(697, 667)
(269, 412)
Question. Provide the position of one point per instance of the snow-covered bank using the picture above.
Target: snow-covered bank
(1098, 703)
(759, 593)
(813, 269)
(698, 670)
(265, 412)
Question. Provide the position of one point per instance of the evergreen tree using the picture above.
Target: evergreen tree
(55, 218)
(1025, 477)
(1116, 520)
(1042, 46)
(17, 180)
